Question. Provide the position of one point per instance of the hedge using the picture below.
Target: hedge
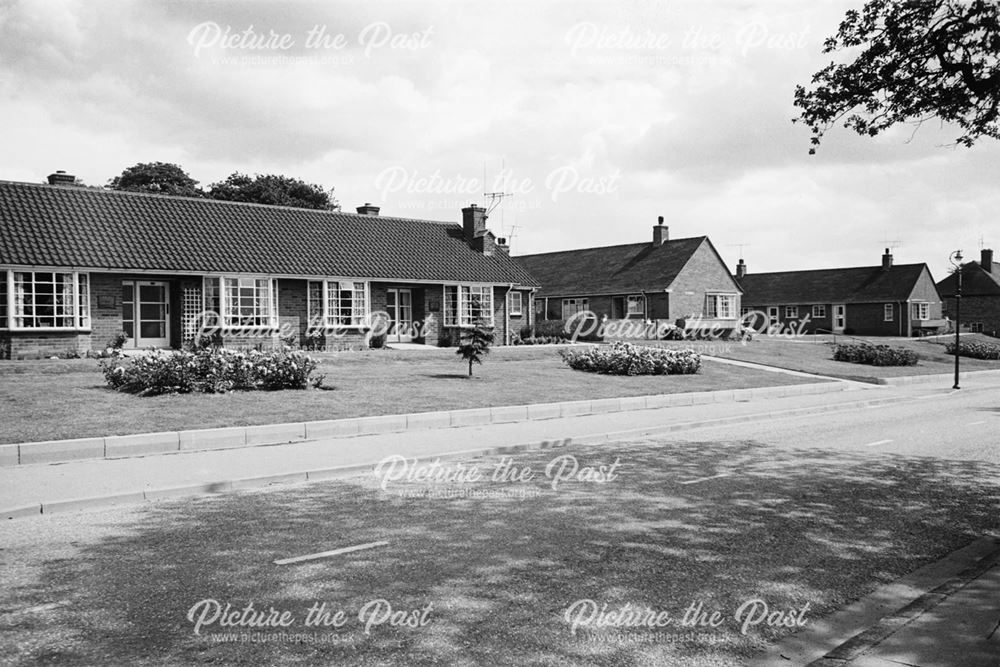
(627, 359)
(875, 355)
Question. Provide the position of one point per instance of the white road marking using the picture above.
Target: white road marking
(325, 554)
(705, 479)
(878, 442)
(976, 423)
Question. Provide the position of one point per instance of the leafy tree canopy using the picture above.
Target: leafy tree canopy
(918, 60)
(156, 177)
(274, 190)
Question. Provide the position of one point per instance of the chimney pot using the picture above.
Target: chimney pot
(368, 209)
(886, 260)
(986, 260)
(661, 232)
(60, 177)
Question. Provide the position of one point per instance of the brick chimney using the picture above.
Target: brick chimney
(474, 226)
(62, 178)
(986, 259)
(741, 270)
(886, 260)
(368, 209)
(661, 233)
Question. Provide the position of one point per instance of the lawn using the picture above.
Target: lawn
(53, 399)
(814, 354)
(489, 568)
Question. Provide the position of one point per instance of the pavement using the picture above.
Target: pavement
(945, 614)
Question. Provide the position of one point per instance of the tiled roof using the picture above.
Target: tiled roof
(866, 284)
(976, 281)
(619, 269)
(60, 226)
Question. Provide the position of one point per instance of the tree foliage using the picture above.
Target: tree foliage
(918, 60)
(476, 343)
(273, 190)
(156, 177)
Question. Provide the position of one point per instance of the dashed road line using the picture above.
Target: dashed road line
(878, 442)
(705, 479)
(976, 423)
(325, 554)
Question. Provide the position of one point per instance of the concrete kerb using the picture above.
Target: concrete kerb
(939, 377)
(348, 470)
(144, 444)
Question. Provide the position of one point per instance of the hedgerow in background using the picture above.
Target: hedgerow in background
(209, 370)
(974, 349)
(627, 359)
(875, 355)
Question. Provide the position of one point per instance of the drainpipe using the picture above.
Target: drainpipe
(506, 312)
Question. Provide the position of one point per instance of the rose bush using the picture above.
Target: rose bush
(875, 355)
(208, 370)
(627, 359)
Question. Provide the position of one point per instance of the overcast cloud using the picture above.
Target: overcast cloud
(604, 115)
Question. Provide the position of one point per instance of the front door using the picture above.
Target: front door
(772, 317)
(146, 313)
(399, 305)
(839, 317)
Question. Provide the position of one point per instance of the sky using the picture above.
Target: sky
(596, 118)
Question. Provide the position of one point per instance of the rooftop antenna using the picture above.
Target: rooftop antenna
(495, 198)
(891, 245)
(740, 246)
(982, 242)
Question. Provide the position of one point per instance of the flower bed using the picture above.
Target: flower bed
(628, 359)
(875, 355)
(974, 349)
(208, 371)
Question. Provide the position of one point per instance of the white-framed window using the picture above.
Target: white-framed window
(571, 307)
(975, 327)
(540, 307)
(636, 305)
(721, 306)
(337, 303)
(921, 310)
(888, 313)
(242, 301)
(791, 312)
(745, 310)
(464, 305)
(819, 311)
(45, 300)
(515, 303)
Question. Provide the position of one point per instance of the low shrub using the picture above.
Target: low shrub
(874, 355)
(208, 370)
(627, 359)
(974, 349)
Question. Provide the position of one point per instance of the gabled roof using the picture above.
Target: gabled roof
(976, 281)
(59, 226)
(618, 269)
(865, 284)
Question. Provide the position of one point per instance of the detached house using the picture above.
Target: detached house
(885, 300)
(980, 295)
(676, 281)
(79, 265)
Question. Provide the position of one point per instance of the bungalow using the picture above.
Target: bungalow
(80, 265)
(668, 281)
(886, 300)
(980, 295)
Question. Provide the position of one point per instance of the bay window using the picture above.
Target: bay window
(922, 311)
(338, 303)
(464, 305)
(244, 301)
(720, 306)
(44, 300)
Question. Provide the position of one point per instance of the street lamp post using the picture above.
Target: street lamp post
(956, 260)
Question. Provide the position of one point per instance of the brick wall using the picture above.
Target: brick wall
(703, 273)
(31, 345)
(982, 309)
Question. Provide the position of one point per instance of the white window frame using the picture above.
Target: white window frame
(515, 306)
(463, 314)
(331, 313)
(819, 311)
(578, 305)
(791, 312)
(888, 313)
(79, 307)
(714, 306)
(221, 289)
(635, 304)
(921, 310)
